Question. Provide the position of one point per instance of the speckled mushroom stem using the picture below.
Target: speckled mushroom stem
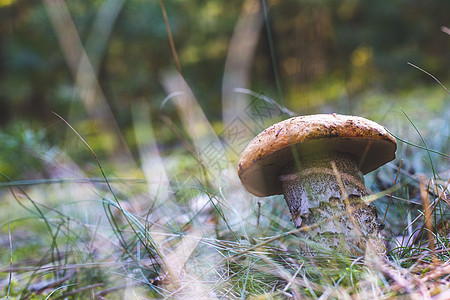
(314, 193)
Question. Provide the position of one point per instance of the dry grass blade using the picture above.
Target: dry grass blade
(439, 271)
(43, 285)
(445, 29)
(444, 194)
(392, 192)
(100, 294)
(10, 257)
(266, 99)
(169, 33)
(238, 65)
(207, 147)
(84, 73)
(428, 217)
(430, 209)
(152, 163)
(442, 296)
(345, 196)
(79, 290)
(431, 75)
(404, 281)
(280, 272)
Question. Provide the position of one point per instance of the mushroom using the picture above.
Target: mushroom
(317, 162)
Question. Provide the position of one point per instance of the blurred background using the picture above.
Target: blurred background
(95, 62)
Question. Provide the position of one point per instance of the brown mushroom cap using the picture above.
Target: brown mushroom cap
(259, 167)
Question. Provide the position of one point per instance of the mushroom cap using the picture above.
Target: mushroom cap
(263, 158)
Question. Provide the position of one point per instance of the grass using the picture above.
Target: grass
(203, 235)
(180, 225)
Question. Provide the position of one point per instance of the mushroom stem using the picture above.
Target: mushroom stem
(315, 192)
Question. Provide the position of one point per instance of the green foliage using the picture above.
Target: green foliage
(357, 44)
(24, 151)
